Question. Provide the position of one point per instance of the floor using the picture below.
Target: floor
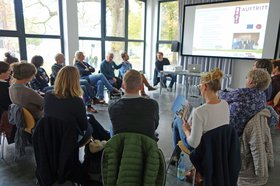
(21, 172)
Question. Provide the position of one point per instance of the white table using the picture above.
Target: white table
(189, 78)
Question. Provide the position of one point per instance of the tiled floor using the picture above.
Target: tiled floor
(21, 172)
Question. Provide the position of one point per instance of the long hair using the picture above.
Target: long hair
(67, 83)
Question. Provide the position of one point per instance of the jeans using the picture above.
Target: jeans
(173, 79)
(179, 134)
(86, 97)
(88, 89)
(100, 81)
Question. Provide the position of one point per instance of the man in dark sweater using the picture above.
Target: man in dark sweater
(133, 113)
(59, 63)
(107, 68)
(160, 62)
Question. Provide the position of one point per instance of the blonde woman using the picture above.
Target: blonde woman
(65, 102)
(21, 94)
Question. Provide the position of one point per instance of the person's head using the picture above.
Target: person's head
(258, 78)
(159, 56)
(125, 56)
(263, 63)
(59, 58)
(9, 58)
(5, 70)
(110, 57)
(211, 81)
(37, 61)
(79, 56)
(276, 66)
(67, 83)
(132, 81)
(24, 71)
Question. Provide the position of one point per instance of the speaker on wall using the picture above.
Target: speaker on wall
(175, 46)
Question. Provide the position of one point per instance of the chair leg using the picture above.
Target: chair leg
(193, 182)
(3, 144)
(173, 154)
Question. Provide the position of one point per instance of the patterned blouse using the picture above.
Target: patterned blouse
(244, 103)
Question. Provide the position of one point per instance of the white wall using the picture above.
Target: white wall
(239, 72)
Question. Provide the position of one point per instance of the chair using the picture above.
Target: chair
(29, 120)
(132, 159)
(56, 149)
(256, 151)
(217, 157)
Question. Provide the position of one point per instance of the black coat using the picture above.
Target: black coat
(217, 158)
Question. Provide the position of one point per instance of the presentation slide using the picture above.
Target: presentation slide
(235, 29)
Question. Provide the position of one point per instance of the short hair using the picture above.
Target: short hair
(260, 78)
(264, 63)
(4, 67)
(78, 55)
(23, 70)
(37, 61)
(160, 53)
(132, 80)
(67, 83)
(123, 54)
(9, 58)
(57, 56)
(213, 79)
(276, 63)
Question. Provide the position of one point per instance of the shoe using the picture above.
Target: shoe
(143, 94)
(92, 110)
(98, 101)
(150, 88)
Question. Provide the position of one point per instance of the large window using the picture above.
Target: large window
(31, 27)
(7, 15)
(168, 29)
(119, 27)
(89, 16)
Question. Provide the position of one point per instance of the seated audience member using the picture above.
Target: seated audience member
(212, 114)
(267, 65)
(160, 62)
(66, 105)
(59, 63)
(41, 80)
(275, 78)
(22, 95)
(107, 68)
(9, 58)
(98, 80)
(5, 72)
(133, 113)
(126, 65)
(246, 102)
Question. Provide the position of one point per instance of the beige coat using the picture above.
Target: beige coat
(256, 151)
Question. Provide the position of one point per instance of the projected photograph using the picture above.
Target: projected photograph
(245, 41)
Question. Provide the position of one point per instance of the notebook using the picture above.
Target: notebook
(194, 68)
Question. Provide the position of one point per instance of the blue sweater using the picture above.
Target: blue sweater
(107, 68)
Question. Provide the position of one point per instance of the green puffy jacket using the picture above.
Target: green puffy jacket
(131, 159)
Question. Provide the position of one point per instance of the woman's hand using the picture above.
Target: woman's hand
(186, 128)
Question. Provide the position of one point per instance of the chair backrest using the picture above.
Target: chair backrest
(131, 158)
(217, 157)
(29, 120)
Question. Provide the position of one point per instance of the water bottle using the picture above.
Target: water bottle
(181, 169)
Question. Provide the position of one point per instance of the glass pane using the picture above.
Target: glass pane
(47, 48)
(9, 44)
(169, 21)
(136, 19)
(115, 47)
(41, 17)
(136, 56)
(89, 18)
(92, 51)
(7, 15)
(115, 18)
(172, 56)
